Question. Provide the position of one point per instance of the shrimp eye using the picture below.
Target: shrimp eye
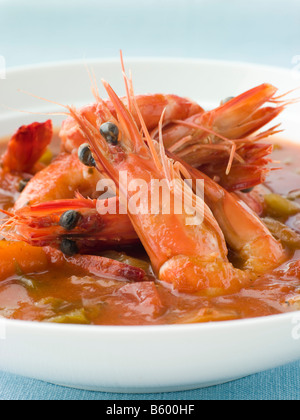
(85, 155)
(23, 184)
(68, 247)
(248, 190)
(70, 219)
(110, 132)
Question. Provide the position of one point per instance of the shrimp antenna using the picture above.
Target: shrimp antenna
(277, 99)
(7, 213)
(93, 80)
(38, 113)
(96, 88)
(149, 140)
(163, 156)
(70, 109)
(127, 83)
(34, 112)
(43, 99)
(233, 148)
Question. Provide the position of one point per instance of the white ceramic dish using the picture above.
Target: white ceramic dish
(144, 359)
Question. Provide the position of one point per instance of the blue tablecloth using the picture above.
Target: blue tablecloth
(260, 31)
(278, 384)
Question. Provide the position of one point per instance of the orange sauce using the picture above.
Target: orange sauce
(70, 296)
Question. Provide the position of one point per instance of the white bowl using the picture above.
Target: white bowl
(155, 358)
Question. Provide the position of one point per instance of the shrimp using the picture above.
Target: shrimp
(49, 234)
(90, 225)
(151, 107)
(235, 119)
(191, 258)
(74, 225)
(243, 230)
(60, 180)
(221, 142)
(41, 225)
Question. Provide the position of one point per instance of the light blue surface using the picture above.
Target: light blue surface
(282, 383)
(260, 31)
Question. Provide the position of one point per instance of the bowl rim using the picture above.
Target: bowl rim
(140, 60)
(214, 326)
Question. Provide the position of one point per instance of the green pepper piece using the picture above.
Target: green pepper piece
(278, 206)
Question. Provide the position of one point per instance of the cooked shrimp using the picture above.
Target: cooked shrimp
(99, 224)
(244, 232)
(192, 258)
(75, 225)
(236, 119)
(219, 141)
(222, 142)
(60, 180)
(41, 225)
(151, 107)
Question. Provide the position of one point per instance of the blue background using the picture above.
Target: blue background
(260, 31)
